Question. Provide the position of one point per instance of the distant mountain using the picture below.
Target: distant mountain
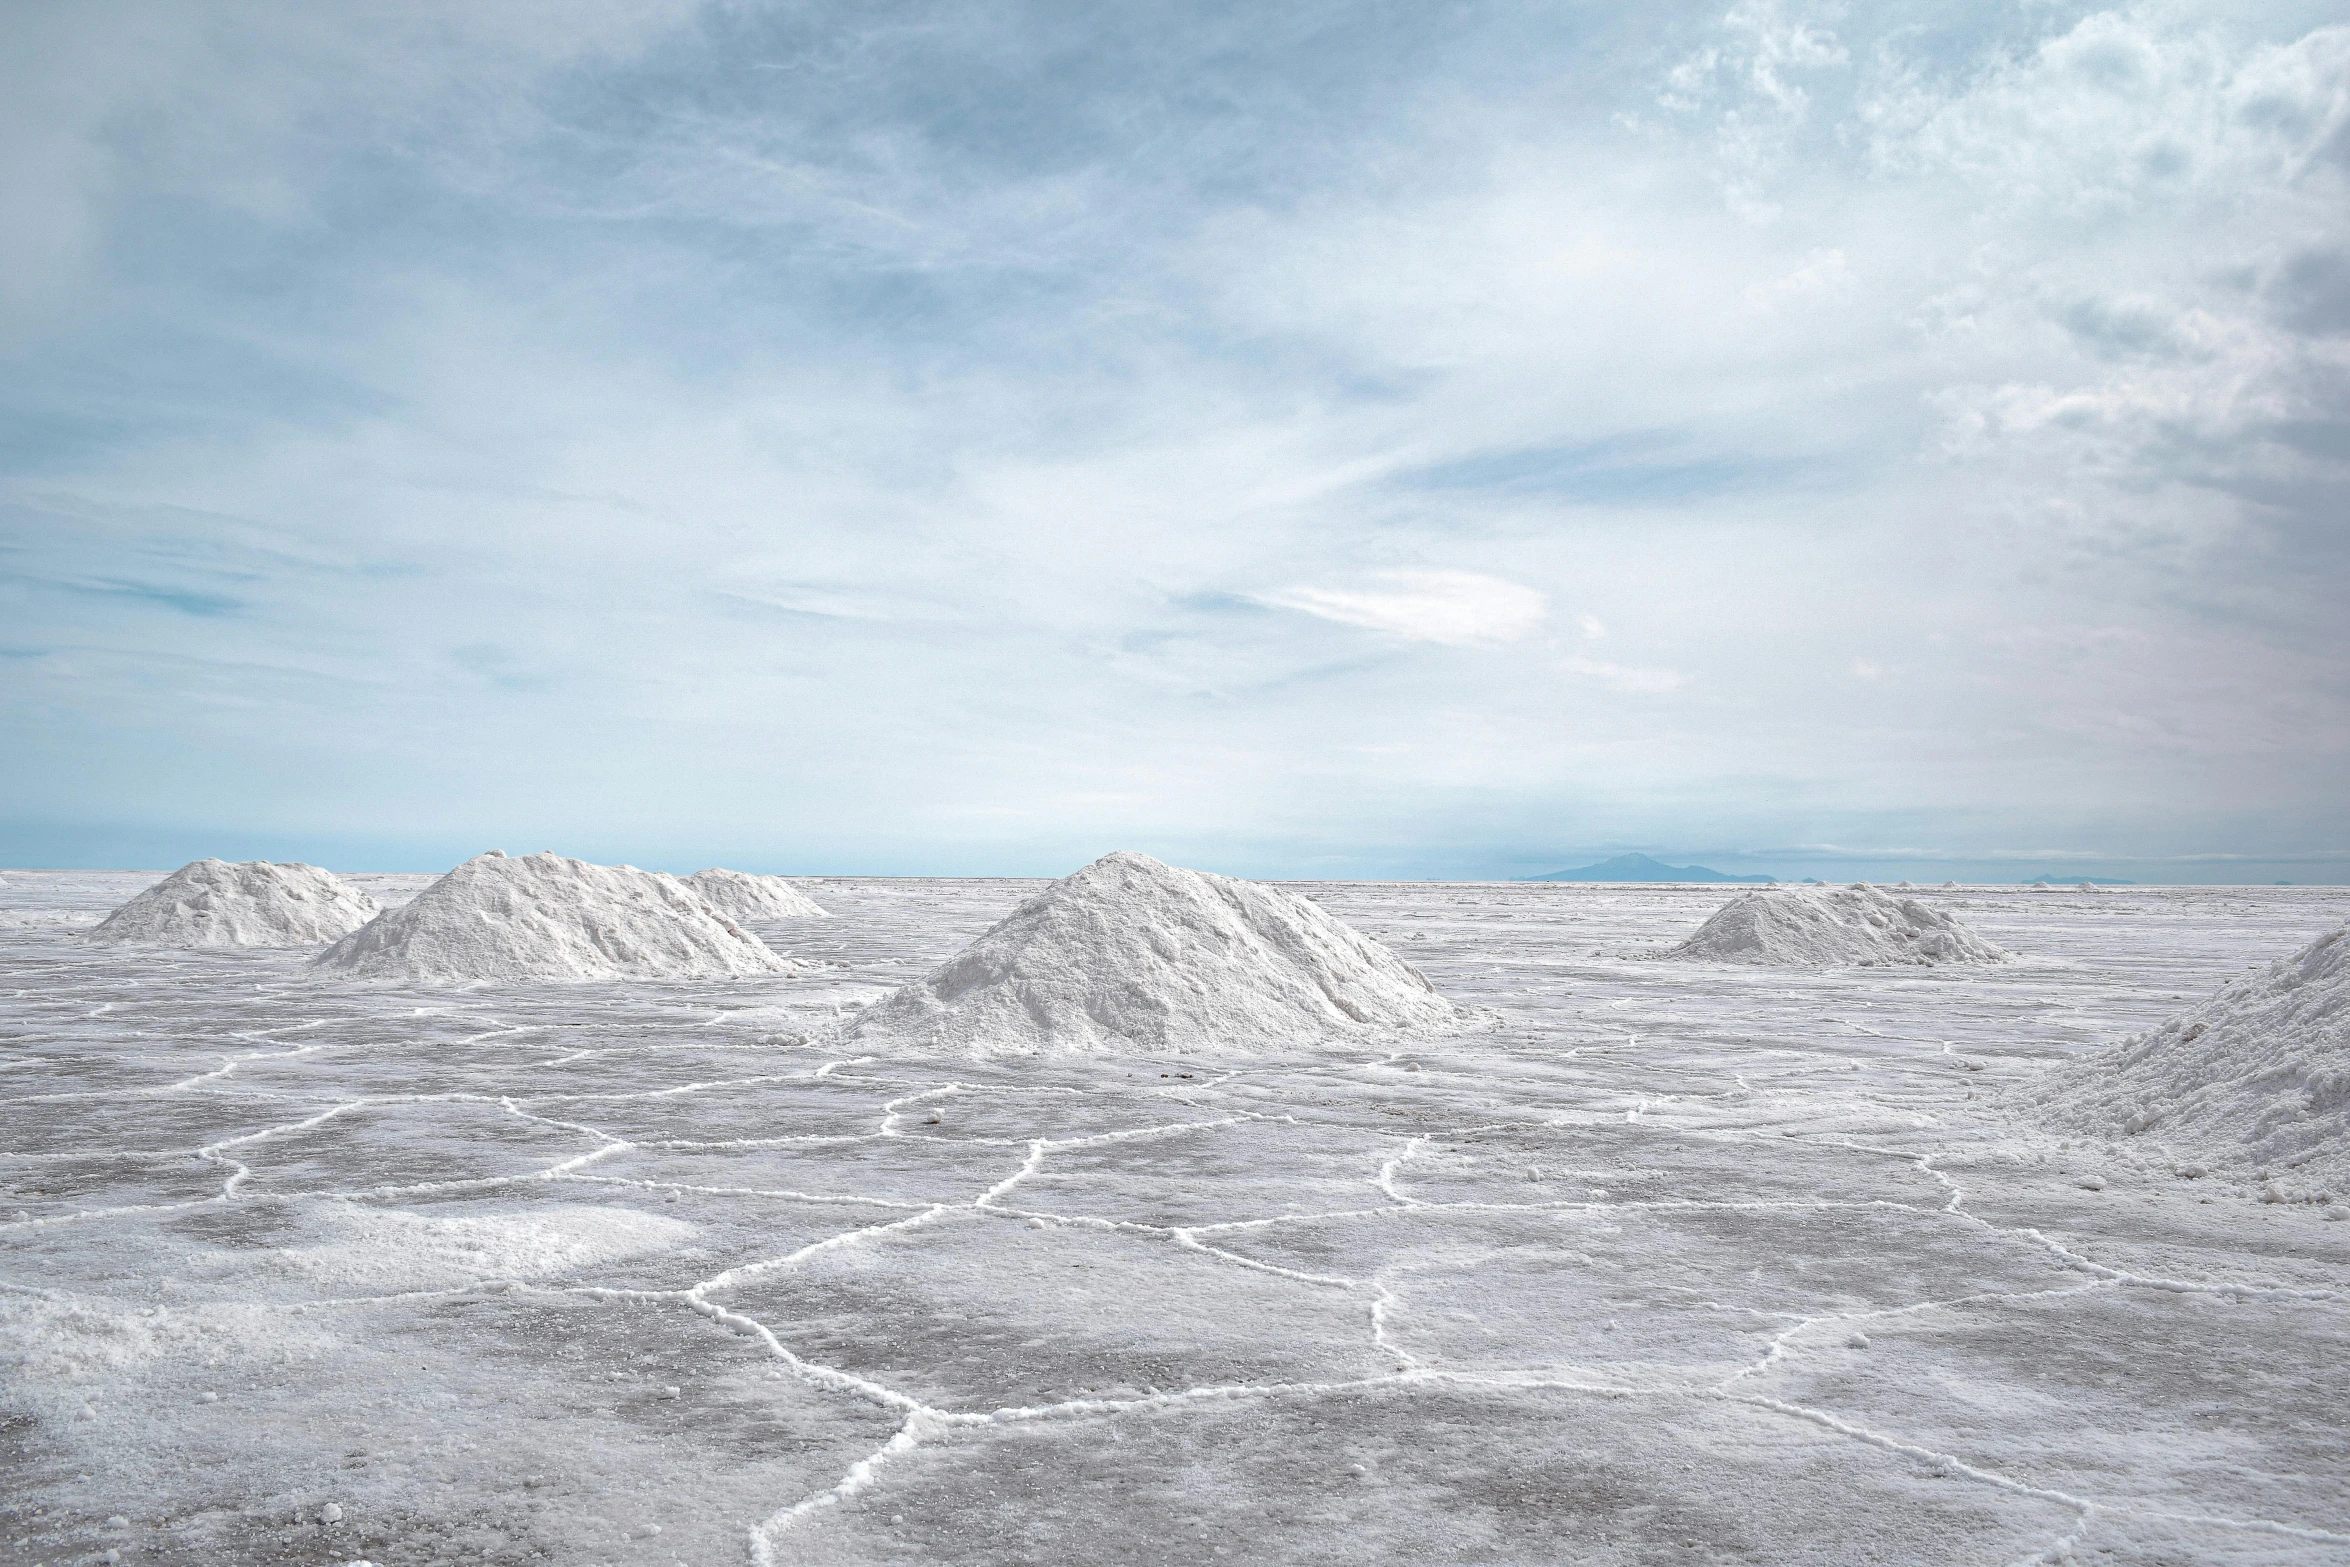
(1639, 867)
(2074, 881)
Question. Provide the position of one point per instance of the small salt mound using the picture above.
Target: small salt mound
(2040, 886)
(740, 895)
(2088, 886)
(212, 903)
(1830, 928)
(1129, 954)
(2256, 1078)
(546, 917)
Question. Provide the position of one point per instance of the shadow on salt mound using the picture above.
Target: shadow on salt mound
(544, 917)
(376, 1249)
(1832, 927)
(2255, 1080)
(212, 903)
(743, 896)
(1131, 955)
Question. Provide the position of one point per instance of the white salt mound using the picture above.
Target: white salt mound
(1130, 954)
(545, 917)
(743, 896)
(2256, 1079)
(212, 903)
(1832, 927)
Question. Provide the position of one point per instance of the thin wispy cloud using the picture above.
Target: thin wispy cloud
(1454, 608)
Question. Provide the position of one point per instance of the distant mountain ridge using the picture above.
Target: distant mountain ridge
(1639, 867)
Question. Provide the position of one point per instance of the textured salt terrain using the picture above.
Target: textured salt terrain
(213, 903)
(2256, 1079)
(740, 895)
(519, 920)
(1787, 927)
(1685, 1264)
(1131, 954)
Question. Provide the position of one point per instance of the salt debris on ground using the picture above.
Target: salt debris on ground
(542, 917)
(1132, 954)
(2256, 1078)
(1832, 927)
(743, 896)
(212, 903)
(348, 1246)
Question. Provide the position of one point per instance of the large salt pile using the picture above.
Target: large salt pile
(546, 917)
(212, 903)
(740, 895)
(1832, 927)
(1130, 954)
(2256, 1079)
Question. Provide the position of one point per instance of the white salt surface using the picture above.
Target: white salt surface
(545, 917)
(213, 903)
(2256, 1078)
(377, 1248)
(1832, 927)
(1130, 954)
(1682, 1264)
(740, 895)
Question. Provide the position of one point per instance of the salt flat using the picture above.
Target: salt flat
(1672, 1264)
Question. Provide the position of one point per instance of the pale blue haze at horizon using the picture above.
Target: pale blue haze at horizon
(1350, 441)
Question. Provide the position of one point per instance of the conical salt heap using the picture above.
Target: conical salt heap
(743, 896)
(2256, 1079)
(1832, 927)
(545, 917)
(212, 903)
(1133, 955)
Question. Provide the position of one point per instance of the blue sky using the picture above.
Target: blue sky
(1420, 440)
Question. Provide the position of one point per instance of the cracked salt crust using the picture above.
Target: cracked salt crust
(1667, 1264)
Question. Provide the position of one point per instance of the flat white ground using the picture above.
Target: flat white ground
(1674, 1265)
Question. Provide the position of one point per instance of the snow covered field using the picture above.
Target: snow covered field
(1679, 1264)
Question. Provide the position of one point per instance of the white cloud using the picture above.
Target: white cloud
(2136, 106)
(1455, 608)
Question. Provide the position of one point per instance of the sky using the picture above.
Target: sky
(1352, 440)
